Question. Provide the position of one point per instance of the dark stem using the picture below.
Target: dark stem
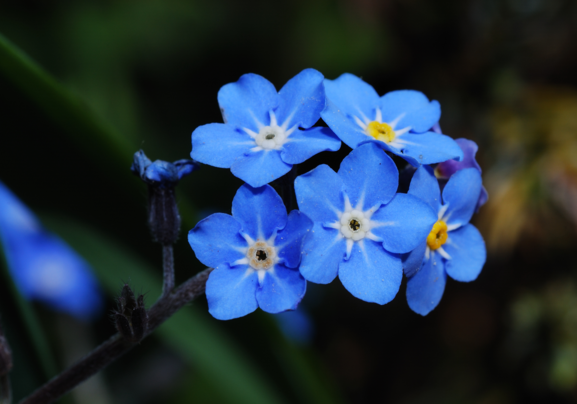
(116, 346)
(168, 269)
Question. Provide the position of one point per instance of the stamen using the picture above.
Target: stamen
(354, 225)
(438, 235)
(381, 131)
(269, 136)
(261, 255)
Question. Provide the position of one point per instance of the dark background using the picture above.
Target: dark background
(505, 73)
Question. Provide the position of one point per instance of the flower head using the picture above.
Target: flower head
(43, 267)
(446, 169)
(260, 139)
(360, 224)
(161, 174)
(400, 122)
(454, 247)
(255, 254)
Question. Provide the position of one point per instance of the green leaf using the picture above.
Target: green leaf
(190, 332)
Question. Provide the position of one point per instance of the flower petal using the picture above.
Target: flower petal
(260, 211)
(371, 273)
(323, 250)
(413, 261)
(247, 102)
(468, 254)
(301, 100)
(216, 239)
(414, 107)
(219, 145)
(320, 194)
(424, 185)
(450, 167)
(260, 168)
(345, 128)
(404, 223)
(282, 289)
(289, 240)
(302, 145)
(426, 148)
(352, 96)
(231, 292)
(425, 289)
(461, 194)
(370, 176)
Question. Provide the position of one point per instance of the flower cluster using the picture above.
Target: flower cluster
(352, 223)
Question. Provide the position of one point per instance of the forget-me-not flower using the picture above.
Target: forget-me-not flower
(446, 169)
(255, 254)
(44, 267)
(360, 224)
(161, 173)
(454, 247)
(399, 121)
(260, 139)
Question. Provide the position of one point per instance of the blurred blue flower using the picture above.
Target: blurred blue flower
(400, 122)
(255, 254)
(260, 139)
(454, 247)
(160, 173)
(360, 224)
(43, 267)
(446, 169)
(296, 325)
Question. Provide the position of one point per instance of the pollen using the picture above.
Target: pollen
(438, 235)
(261, 256)
(381, 131)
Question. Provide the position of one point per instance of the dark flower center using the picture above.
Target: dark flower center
(269, 136)
(261, 255)
(354, 225)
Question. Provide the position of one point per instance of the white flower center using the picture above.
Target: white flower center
(271, 137)
(354, 225)
(260, 255)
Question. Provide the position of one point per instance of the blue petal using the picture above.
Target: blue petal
(185, 167)
(282, 290)
(424, 185)
(302, 145)
(369, 176)
(248, 101)
(260, 211)
(260, 168)
(217, 239)
(413, 261)
(323, 250)
(425, 289)
(301, 100)
(419, 113)
(468, 254)
(426, 148)
(289, 240)
(352, 96)
(345, 128)
(461, 194)
(404, 223)
(231, 292)
(320, 194)
(219, 145)
(371, 273)
(140, 162)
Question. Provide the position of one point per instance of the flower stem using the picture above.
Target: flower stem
(116, 346)
(168, 269)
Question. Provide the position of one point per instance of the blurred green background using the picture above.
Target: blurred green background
(144, 74)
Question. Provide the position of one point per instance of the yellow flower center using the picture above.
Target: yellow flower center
(438, 235)
(381, 131)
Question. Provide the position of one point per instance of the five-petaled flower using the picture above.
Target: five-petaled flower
(399, 122)
(454, 247)
(260, 140)
(360, 224)
(43, 266)
(255, 254)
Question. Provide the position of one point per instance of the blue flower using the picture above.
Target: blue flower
(454, 247)
(260, 139)
(43, 267)
(448, 168)
(255, 254)
(360, 224)
(161, 174)
(399, 121)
